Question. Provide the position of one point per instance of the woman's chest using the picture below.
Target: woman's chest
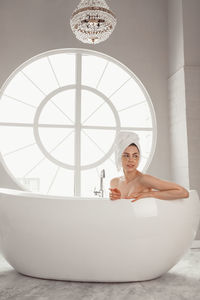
(128, 188)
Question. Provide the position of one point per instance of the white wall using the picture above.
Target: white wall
(178, 129)
(191, 28)
(139, 41)
(176, 95)
(175, 36)
(184, 91)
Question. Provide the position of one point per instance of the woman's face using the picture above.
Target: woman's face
(130, 158)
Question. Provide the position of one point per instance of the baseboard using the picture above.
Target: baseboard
(195, 244)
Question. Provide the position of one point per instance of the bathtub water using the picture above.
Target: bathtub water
(95, 239)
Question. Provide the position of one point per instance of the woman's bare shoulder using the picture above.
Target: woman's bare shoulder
(145, 178)
(114, 182)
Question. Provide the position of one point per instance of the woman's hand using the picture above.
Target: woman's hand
(137, 196)
(114, 194)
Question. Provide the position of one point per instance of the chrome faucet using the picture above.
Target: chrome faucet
(101, 190)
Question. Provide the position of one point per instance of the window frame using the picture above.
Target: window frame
(78, 88)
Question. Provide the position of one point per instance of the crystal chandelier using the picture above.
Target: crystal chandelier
(92, 22)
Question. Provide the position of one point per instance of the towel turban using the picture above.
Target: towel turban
(124, 139)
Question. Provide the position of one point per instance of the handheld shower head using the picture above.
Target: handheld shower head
(103, 173)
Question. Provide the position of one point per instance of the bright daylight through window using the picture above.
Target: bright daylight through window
(59, 115)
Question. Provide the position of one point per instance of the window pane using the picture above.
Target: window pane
(95, 144)
(63, 65)
(92, 69)
(59, 142)
(112, 79)
(57, 181)
(41, 74)
(63, 185)
(136, 116)
(59, 109)
(23, 89)
(95, 111)
(15, 111)
(20, 162)
(129, 94)
(13, 138)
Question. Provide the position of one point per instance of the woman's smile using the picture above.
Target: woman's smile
(130, 165)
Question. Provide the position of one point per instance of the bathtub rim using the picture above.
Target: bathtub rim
(29, 194)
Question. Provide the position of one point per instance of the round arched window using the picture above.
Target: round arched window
(60, 113)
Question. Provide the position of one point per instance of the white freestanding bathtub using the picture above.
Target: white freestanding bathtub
(95, 239)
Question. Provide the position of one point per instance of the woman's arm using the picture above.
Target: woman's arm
(164, 190)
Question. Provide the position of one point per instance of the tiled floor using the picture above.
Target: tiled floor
(181, 282)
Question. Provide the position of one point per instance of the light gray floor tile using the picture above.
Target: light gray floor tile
(181, 282)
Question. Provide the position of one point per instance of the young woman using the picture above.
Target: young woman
(134, 184)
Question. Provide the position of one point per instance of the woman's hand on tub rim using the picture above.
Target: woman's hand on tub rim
(137, 196)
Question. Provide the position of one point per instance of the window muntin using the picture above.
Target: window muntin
(60, 113)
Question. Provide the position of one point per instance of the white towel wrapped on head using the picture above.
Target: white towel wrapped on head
(124, 139)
